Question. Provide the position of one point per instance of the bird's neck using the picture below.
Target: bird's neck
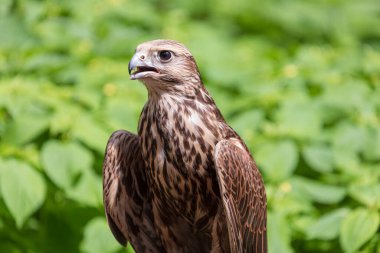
(185, 89)
(194, 111)
(184, 99)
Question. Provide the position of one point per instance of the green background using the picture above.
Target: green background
(299, 80)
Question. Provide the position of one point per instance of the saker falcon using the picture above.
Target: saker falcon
(186, 182)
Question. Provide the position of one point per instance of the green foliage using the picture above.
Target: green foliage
(299, 80)
(327, 226)
(97, 239)
(357, 228)
(23, 190)
(280, 166)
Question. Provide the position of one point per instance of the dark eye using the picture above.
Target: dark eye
(165, 55)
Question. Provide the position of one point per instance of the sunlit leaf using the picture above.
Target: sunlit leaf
(319, 158)
(299, 120)
(88, 190)
(23, 189)
(25, 128)
(357, 228)
(366, 194)
(372, 146)
(64, 162)
(327, 227)
(120, 114)
(91, 133)
(278, 160)
(349, 137)
(278, 234)
(98, 238)
(346, 160)
(319, 192)
(247, 122)
(63, 118)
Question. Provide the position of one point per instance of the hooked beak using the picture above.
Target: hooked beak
(139, 67)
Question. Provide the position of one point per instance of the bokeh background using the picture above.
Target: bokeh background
(299, 80)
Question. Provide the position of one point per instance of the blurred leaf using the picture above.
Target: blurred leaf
(90, 98)
(9, 248)
(25, 128)
(22, 188)
(88, 190)
(65, 162)
(349, 137)
(372, 145)
(368, 194)
(327, 226)
(320, 158)
(91, 133)
(14, 33)
(344, 99)
(346, 160)
(63, 119)
(299, 119)
(98, 238)
(247, 122)
(319, 192)
(357, 228)
(278, 160)
(46, 63)
(278, 234)
(62, 218)
(120, 113)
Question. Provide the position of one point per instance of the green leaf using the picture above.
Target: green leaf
(319, 192)
(371, 150)
(278, 234)
(278, 160)
(299, 119)
(23, 189)
(120, 114)
(357, 228)
(88, 190)
(247, 122)
(63, 118)
(368, 195)
(319, 158)
(346, 160)
(64, 162)
(327, 227)
(349, 137)
(98, 238)
(25, 128)
(91, 133)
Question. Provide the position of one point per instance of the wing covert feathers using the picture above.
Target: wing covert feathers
(125, 193)
(243, 196)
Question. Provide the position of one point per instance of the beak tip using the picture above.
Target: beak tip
(129, 68)
(132, 64)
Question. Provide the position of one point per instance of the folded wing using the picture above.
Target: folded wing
(126, 194)
(243, 196)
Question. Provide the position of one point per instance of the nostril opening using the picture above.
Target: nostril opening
(142, 57)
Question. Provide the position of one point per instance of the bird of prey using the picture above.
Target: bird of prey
(186, 182)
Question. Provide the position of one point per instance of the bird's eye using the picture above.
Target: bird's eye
(165, 55)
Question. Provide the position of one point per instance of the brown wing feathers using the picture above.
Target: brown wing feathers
(126, 194)
(243, 197)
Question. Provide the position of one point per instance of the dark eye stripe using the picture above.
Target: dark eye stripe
(165, 55)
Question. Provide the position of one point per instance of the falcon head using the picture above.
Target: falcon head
(161, 64)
